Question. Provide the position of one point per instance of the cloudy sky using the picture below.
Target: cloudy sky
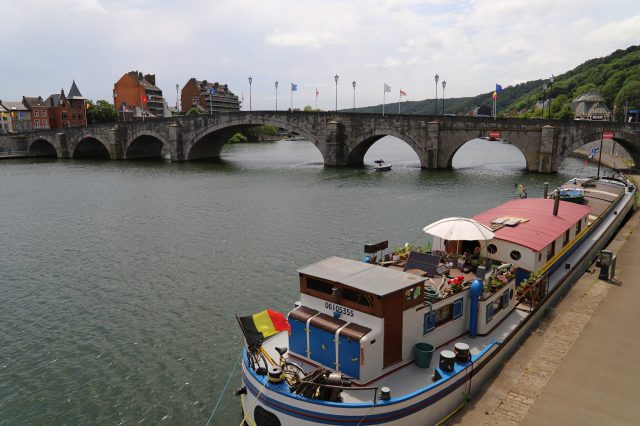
(471, 44)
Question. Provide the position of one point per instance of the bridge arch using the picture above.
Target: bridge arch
(208, 141)
(523, 146)
(91, 147)
(570, 142)
(43, 147)
(145, 144)
(356, 152)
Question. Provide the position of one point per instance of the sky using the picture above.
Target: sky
(472, 45)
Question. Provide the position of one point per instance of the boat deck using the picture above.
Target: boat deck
(598, 197)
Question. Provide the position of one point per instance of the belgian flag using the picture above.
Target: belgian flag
(258, 327)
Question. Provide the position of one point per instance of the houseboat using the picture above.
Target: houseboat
(409, 342)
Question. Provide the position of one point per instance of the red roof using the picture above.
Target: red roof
(542, 228)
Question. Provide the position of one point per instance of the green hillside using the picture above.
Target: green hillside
(616, 77)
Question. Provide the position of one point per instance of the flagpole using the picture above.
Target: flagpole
(291, 108)
(399, 98)
(384, 95)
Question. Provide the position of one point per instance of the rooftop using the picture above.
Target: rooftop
(541, 228)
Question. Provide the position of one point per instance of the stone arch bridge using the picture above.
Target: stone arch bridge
(342, 139)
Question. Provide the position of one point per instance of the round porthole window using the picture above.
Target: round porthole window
(515, 255)
(492, 249)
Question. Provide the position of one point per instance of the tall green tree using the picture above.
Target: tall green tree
(100, 112)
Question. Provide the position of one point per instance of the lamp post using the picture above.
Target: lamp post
(250, 81)
(276, 95)
(177, 98)
(354, 95)
(551, 80)
(444, 84)
(435, 106)
(544, 95)
(336, 79)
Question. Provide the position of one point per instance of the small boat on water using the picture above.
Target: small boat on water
(381, 166)
(408, 341)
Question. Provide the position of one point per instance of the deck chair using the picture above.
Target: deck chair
(426, 262)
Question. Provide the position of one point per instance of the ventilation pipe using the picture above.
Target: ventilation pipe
(475, 293)
(546, 190)
(556, 203)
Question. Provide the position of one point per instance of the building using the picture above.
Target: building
(136, 95)
(481, 111)
(67, 111)
(39, 112)
(208, 97)
(20, 116)
(6, 125)
(590, 106)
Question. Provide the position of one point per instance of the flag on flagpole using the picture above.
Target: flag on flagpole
(144, 99)
(498, 88)
(403, 93)
(258, 327)
(494, 95)
(317, 92)
(294, 87)
(593, 152)
(387, 88)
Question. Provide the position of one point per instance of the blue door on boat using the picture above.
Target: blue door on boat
(298, 321)
(349, 355)
(322, 340)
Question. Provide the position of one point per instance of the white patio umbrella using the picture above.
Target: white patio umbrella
(460, 229)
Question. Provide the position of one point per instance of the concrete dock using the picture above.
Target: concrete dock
(579, 366)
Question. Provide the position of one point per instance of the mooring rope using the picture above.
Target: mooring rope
(224, 390)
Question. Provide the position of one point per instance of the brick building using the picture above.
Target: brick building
(208, 97)
(67, 111)
(39, 112)
(137, 95)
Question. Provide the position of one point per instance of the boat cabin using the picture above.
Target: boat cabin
(529, 235)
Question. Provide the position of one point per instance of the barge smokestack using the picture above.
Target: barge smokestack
(556, 203)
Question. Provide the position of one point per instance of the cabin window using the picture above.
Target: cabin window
(357, 297)
(539, 256)
(515, 255)
(457, 308)
(551, 250)
(320, 286)
(566, 238)
(578, 226)
(442, 316)
(492, 249)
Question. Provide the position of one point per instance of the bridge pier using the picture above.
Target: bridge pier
(429, 157)
(63, 148)
(114, 145)
(545, 161)
(334, 154)
(175, 145)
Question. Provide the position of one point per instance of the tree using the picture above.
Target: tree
(308, 108)
(193, 111)
(628, 96)
(238, 138)
(100, 112)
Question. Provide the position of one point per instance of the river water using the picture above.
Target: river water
(120, 280)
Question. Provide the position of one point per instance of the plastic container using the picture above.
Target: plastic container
(424, 353)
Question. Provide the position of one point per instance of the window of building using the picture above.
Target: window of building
(44, 114)
(73, 115)
(515, 255)
(37, 124)
(492, 249)
(35, 113)
(551, 250)
(79, 116)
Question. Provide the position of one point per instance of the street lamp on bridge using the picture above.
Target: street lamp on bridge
(177, 98)
(250, 81)
(444, 84)
(276, 95)
(354, 95)
(435, 106)
(336, 79)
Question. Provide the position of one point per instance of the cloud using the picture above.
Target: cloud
(471, 44)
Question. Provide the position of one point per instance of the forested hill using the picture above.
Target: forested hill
(615, 77)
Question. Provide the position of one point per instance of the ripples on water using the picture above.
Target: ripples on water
(120, 279)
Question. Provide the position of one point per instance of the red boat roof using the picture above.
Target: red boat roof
(541, 228)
